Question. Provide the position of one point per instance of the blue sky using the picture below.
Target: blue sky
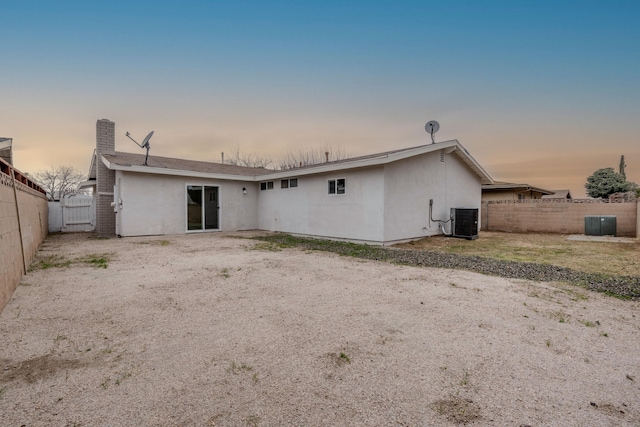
(539, 92)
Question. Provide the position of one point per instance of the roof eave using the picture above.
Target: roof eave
(92, 169)
(517, 187)
(88, 184)
(175, 172)
(452, 146)
(468, 159)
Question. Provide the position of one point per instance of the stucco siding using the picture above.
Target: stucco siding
(464, 188)
(156, 205)
(310, 210)
(411, 183)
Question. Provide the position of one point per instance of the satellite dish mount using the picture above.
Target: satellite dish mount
(432, 127)
(145, 144)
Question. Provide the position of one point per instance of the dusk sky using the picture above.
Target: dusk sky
(539, 92)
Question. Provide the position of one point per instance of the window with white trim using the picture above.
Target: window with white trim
(267, 185)
(337, 186)
(289, 183)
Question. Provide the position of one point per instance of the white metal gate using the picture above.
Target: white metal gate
(76, 213)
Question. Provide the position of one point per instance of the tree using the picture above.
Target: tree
(59, 181)
(606, 181)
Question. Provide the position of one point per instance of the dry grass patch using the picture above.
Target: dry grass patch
(44, 262)
(552, 249)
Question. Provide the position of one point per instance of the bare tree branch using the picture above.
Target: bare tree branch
(248, 160)
(311, 156)
(292, 159)
(59, 181)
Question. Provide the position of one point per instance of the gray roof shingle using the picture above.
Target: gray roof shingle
(130, 159)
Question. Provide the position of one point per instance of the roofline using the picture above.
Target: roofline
(509, 186)
(555, 192)
(384, 158)
(87, 184)
(452, 146)
(93, 162)
(176, 172)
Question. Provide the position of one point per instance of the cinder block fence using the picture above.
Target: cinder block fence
(558, 216)
(23, 226)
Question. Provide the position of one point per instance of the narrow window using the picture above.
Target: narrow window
(284, 183)
(263, 186)
(337, 186)
(269, 185)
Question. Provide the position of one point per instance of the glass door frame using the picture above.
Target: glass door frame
(203, 212)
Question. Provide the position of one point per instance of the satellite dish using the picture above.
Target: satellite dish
(145, 144)
(145, 141)
(432, 127)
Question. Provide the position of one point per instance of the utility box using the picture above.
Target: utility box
(602, 225)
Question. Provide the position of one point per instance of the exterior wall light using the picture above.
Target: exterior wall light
(244, 190)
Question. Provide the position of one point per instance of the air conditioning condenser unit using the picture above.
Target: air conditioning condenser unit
(464, 223)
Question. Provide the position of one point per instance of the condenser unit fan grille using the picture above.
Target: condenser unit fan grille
(464, 223)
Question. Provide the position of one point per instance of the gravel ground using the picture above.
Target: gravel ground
(212, 330)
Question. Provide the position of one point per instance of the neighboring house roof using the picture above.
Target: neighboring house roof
(170, 166)
(6, 152)
(92, 166)
(91, 179)
(558, 194)
(501, 186)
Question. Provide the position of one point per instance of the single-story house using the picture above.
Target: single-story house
(509, 191)
(382, 198)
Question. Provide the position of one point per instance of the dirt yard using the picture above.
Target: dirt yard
(214, 330)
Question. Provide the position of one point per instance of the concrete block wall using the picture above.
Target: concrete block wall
(33, 209)
(105, 178)
(563, 217)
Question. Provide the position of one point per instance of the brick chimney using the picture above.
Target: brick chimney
(105, 179)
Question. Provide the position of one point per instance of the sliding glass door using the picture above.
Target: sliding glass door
(202, 208)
